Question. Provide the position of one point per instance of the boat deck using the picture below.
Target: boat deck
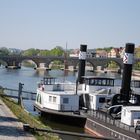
(107, 126)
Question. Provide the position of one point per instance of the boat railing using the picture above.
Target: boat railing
(67, 86)
(104, 117)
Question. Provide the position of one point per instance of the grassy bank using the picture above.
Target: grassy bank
(27, 118)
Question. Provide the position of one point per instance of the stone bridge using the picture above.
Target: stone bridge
(71, 61)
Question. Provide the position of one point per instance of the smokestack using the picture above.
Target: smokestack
(127, 71)
(82, 58)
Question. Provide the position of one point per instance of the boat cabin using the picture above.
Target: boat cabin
(130, 114)
(135, 83)
(49, 83)
(51, 95)
(135, 86)
(93, 83)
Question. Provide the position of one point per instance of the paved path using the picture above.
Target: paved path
(10, 127)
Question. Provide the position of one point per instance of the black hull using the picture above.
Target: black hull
(103, 125)
(97, 123)
(62, 117)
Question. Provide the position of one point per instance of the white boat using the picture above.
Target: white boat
(71, 103)
(60, 101)
(59, 98)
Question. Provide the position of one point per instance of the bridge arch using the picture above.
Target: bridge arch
(113, 64)
(55, 63)
(3, 63)
(28, 62)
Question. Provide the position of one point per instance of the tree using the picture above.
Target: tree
(43, 53)
(4, 51)
(30, 52)
(57, 51)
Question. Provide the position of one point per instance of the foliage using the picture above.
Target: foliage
(30, 52)
(108, 49)
(43, 53)
(57, 51)
(112, 64)
(4, 51)
(137, 52)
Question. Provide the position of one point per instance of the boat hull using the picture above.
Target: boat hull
(103, 125)
(69, 118)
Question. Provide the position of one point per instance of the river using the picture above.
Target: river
(10, 78)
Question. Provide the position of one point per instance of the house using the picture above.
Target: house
(74, 53)
(91, 53)
(122, 51)
(116, 52)
(101, 53)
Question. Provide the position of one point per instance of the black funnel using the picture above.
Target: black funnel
(82, 58)
(127, 72)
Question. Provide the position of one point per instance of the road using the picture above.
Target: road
(10, 127)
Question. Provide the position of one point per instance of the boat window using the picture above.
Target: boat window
(104, 82)
(92, 82)
(38, 98)
(135, 84)
(110, 82)
(48, 81)
(95, 82)
(65, 100)
(101, 99)
(50, 98)
(54, 99)
(101, 82)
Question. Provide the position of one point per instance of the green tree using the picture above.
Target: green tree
(57, 51)
(43, 53)
(31, 52)
(137, 52)
(4, 51)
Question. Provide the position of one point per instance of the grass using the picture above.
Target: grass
(27, 118)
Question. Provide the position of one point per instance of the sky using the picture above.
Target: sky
(45, 24)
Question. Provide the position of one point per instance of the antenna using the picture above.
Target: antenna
(65, 58)
(65, 62)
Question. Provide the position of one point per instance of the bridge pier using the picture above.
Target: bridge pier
(42, 66)
(13, 65)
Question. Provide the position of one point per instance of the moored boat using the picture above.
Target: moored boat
(95, 102)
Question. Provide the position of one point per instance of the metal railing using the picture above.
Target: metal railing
(100, 115)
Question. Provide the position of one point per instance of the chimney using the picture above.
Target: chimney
(127, 72)
(82, 58)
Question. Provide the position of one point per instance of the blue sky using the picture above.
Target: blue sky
(44, 24)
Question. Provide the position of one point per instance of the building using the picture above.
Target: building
(91, 53)
(74, 53)
(116, 52)
(101, 53)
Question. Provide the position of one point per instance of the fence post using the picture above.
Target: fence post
(20, 101)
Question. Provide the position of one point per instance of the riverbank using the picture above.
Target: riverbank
(23, 117)
(10, 127)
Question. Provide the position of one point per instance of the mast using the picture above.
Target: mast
(65, 59)
(81, 69)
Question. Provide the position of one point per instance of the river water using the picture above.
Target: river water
(10, 78)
